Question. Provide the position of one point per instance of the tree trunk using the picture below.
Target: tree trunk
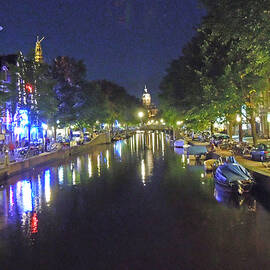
(230, 129)
(212, 128)
(253, 128)
(240, 132)
(126, 128)
(54, 129)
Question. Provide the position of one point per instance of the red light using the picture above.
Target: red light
(34, 223)
(29, 87)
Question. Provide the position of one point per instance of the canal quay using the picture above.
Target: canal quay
(134, 204)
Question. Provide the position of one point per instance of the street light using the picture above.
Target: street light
(239, 121)
(178, 123)
(238, 118)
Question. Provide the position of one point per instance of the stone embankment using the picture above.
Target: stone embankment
(50, 157)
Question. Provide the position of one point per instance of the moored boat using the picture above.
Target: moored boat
(211, 161)
(233, 176)
(179, 143)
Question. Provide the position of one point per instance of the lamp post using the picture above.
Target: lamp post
(239, 121)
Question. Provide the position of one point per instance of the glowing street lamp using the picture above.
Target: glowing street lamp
(178, 123)
(238, 120)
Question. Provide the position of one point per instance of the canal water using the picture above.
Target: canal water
(134, 204)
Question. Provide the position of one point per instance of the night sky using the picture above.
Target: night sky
(130, 42)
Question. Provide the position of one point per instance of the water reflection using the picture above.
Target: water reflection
(90, 169)
(157, 189)
(47, 186)
(25, 198)
(234, 200)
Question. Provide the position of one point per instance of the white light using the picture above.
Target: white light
(140, 114)
(44, 126)
(215, 125)
(268, 117)
(57, 121)
(178, 123)
(238, 118)
(161, 120)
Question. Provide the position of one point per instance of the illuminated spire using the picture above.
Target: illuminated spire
(146, 97)
(38, 51)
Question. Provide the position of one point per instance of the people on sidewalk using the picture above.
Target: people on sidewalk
(11, 148)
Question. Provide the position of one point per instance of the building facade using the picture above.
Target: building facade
(150, 107)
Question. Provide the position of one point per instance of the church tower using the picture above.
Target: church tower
(146, 98)
(38, 51)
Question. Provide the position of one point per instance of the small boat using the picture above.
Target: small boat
(211, 161)
(197, 151)
(179, 143)
(233, 176)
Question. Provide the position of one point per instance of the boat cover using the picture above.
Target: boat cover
(197, 150)
(232, 172)
(179, 143)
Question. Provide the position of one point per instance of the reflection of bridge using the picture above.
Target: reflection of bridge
(154, 127)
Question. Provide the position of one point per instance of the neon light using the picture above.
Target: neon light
(34, 130)
(44, 126)
(23, 117)
(18, 130)
(29, 88)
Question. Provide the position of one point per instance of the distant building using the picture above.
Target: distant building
(38, 51)
(14, 116)
(146, 100)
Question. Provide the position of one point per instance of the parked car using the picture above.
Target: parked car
(78, 137)
(261, 152)
(221, 136)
